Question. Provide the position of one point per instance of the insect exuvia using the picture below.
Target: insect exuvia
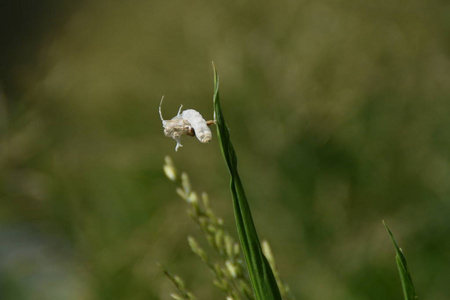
(189, 122)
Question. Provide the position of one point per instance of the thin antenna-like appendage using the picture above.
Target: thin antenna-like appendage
(180, 110)
(160, 104)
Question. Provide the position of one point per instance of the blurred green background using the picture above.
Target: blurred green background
(339, 112)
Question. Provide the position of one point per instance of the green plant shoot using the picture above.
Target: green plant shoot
(261, 275)
(409, 292)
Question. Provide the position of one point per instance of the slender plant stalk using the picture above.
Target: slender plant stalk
(261, 276)
(183, 294)
(228, 270)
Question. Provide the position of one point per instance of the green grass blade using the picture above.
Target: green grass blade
(408, 287)
(261, 275)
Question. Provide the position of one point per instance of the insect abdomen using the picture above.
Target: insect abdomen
(197, 122)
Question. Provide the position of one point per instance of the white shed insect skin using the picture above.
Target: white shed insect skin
(199, 125)
(189, 122)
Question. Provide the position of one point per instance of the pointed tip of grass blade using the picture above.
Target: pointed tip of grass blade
(405, 277)
(216, 78)
(397, 248)
(216, 89)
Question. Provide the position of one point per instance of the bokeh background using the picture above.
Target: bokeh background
(339, 112)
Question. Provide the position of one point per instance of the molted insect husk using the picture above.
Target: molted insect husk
(176, 127)
(199, 125)
(189, 122)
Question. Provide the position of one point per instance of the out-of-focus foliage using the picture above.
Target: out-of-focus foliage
(339, 113)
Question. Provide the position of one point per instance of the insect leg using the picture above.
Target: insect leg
(181, 106)
(160, 104)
